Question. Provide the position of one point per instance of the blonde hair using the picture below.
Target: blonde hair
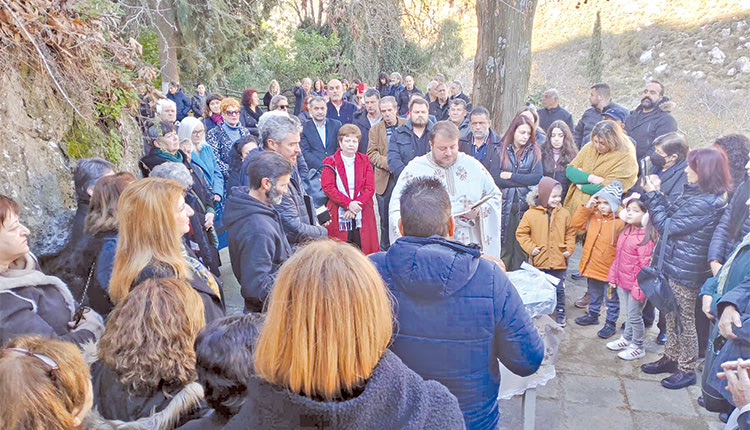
(149, 336)
(612, 135)
(102, 214)
(329, 321)
(148, 232)
(31, 398)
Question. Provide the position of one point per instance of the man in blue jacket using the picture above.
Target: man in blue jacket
(457, 312)
(180, 99)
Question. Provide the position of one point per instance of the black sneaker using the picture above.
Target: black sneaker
(608, 330)
(587, 319)
(561, 319)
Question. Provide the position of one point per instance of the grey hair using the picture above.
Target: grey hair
(174, 171)
(185, 131)
(307, 80)
(372, 92)
(389, 99)
(460, 85)
(552, 93)
(432, 84)
(397, 75)
(316, 99)
(458, 102)
(161, 103)
(276, 126)
(88, 172)
(275, 100)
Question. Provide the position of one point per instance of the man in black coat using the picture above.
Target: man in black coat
(411, 139)
(368, 116)
(457, 92)
(477, 143)
(552, 111)
(87, 174)
(319, 136)
(301, 90)
(439, 107)
(650, 119)
(257, 241)
(600, 100)
(404, 96)
(180, 99)
(338, 108)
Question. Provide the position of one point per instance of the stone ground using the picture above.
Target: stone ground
(594, 389)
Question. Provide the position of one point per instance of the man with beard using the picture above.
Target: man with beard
(338, 108)
(600, 100)
(377, 149)
(367, 117)
(257, 243)
(457, 115)
(466, 181)
(411, 139)
(395, 88)
(650, 119)
(439, 107)
(405, 95)
(481, 136)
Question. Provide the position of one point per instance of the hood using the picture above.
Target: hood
(24, 272)
(664, 105)
(431, 267)
(532, 198)
(241, 206)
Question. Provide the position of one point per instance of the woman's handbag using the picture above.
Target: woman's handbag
(655, 285)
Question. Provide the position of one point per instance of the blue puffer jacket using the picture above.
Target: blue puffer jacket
(694, 216)
(728, 232)
(457, 314)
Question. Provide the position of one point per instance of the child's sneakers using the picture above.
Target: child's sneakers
(632, 353)
(618, 345)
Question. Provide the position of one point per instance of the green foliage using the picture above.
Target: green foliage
(147, 39)
(120, 98)
(447, 51)
(84, 141)
(536, 92)
(595, 62)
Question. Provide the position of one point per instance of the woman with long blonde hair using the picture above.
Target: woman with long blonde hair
(146, 354)
(153, 218)
(322, 355)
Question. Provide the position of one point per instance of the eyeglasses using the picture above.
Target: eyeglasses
(49, 364)
(198, 132)
(232, 112)
(283, 106)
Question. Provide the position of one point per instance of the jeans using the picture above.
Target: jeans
(634, 328)
(560, 274)
(598, 291)
(383, 203)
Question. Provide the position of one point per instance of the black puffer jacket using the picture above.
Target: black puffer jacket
(645, 127)
(693, 217)
(729, 232)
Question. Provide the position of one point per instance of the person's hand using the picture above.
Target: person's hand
(217, 198)
(209, 221)
(729, 318)
(355, 206)
(505, 175)
(566, 254)
(579, 186)
(715, 267)
(471, 215)
(596, 180)
(650, 183)
(611, 285)
(496, 260)
(592, 202)
(738, 383)
(298, 84)
(349, 215)
(535, 251)
(327, 223)
(90, 321)
(706, 306)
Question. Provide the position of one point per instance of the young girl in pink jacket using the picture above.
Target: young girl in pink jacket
(634, 247)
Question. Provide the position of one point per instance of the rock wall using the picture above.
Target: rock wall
(35, 170)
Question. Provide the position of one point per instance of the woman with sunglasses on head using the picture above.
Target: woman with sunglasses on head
(30, 301)
(222, 137)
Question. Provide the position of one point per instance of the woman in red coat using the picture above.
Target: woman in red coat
(350, 190)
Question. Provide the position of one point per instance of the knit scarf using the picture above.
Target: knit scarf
(217, 118)
(232, 131)
(724, 272)
(347, 224)
(176, 157)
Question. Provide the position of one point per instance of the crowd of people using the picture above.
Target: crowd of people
(370, 230)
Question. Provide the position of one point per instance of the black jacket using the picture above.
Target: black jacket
(183, 103)
(257, 245)
(213, 306)
(299, 219)
(732, 227)
(79, 221)
(299, 99)
(592, 115)
(198, 104)
(312, 147)
(405, 145)
(403, 100)
(361, 120)
(249, 119)
(95, 256)
(345, 114)
(693, 217)
(394, 397)
(645, 127)
(463, 97)
(466, 145)
(439, 112)
(673, 180)
(548, 116)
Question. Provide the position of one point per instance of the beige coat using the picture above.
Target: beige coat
(377, 150)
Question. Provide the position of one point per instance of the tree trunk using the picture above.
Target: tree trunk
(167, 39)
(503, 61)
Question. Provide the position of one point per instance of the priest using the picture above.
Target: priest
(475, 199)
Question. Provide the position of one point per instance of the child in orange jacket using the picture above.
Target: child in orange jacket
(547, 235)
(601, 224)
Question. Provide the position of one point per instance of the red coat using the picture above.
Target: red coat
(364, 188)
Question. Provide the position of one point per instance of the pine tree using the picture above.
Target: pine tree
(595, 64)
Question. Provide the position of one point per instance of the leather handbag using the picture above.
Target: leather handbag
(655, 284)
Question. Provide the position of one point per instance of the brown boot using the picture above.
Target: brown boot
(583, 301)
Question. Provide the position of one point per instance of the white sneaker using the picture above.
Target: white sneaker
(618, 345)
(632, 353)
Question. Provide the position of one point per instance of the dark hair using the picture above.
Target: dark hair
(602, 89)
(418, 100)
(244, 140)
(267, 164)
(209, 99)
(7, 206)
(425, 208)
(88, 171)
(508, 137)
(459, 102)
(372, 92)
(533, 111)
(247, 96)
(661, 86)
(444, 128)
(567, 153)
(651, 233)
(736, 146)
(674, 143)
(480, 110)
(712, 168)
(224, 360)
(383, 75)
(316, 99)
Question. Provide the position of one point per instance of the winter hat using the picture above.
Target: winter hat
(612, 193)
(546, 185)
